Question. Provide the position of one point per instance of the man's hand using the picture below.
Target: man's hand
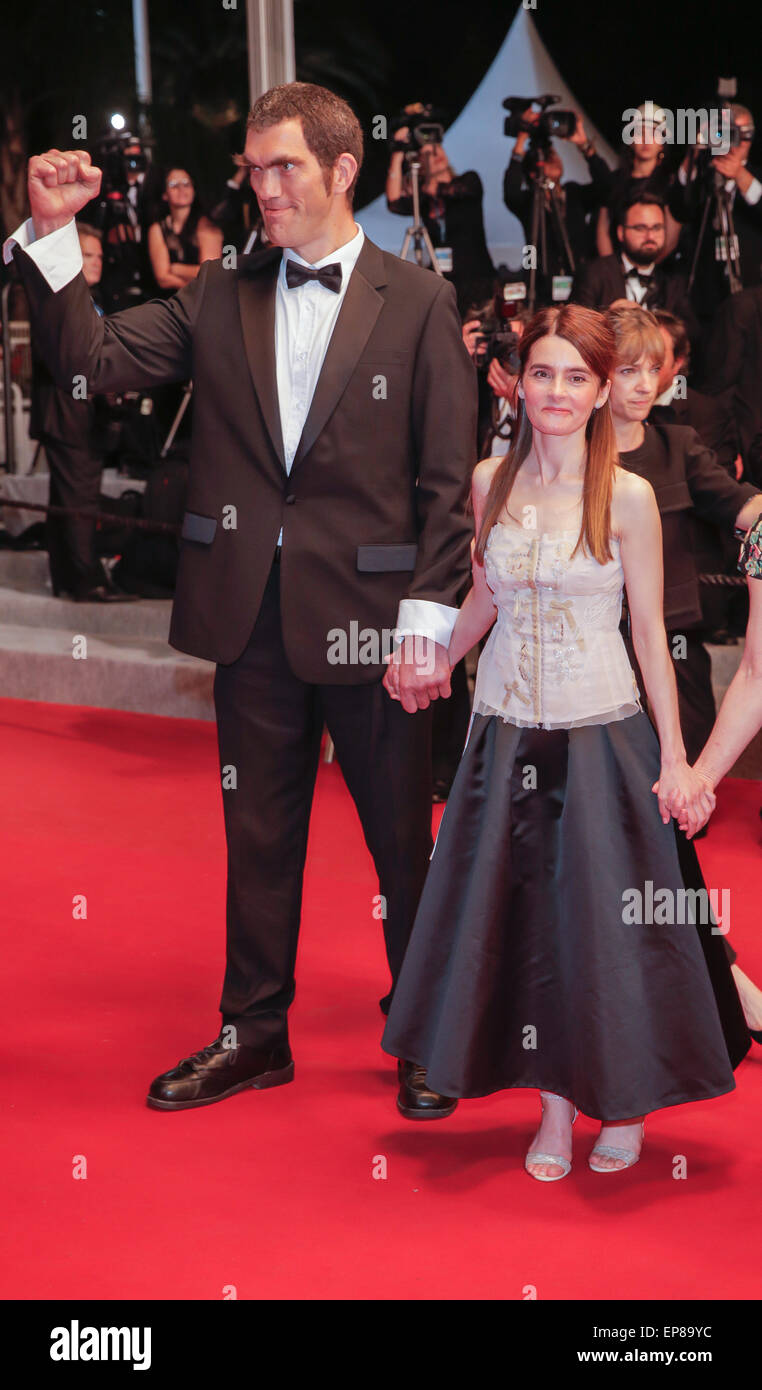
(733, 167)
(60, 183)
(417, 673)
(501, 381)
(579, 135)
(470, 331)
(685, 794)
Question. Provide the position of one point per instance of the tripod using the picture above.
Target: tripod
(727, 240)
(181, 409)
(418, 233)
(538, 225)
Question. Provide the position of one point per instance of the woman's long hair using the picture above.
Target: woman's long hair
(197, 208)
(589, 333)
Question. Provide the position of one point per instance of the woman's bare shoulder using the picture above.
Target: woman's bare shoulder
(482, 476)
(632, 499)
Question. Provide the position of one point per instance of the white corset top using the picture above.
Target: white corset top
(555, 657)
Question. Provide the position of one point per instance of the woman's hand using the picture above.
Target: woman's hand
(686, 795)
(711, 800)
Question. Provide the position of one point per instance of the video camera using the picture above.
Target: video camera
(709, 138)
(424, 128)
(116, 163)
(550, 123)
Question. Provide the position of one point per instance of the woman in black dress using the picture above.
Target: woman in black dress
(537, 958)
(183, 238)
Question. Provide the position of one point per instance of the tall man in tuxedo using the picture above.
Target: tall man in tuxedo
(333, 443)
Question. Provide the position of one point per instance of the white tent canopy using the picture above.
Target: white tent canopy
(475, 140)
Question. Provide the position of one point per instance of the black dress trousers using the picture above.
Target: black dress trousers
(269, 726)
(75, 481)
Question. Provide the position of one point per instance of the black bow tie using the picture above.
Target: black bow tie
(644, 276)
(328, 275)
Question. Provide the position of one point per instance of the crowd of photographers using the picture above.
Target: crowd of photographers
(662, 242)
(671, 251)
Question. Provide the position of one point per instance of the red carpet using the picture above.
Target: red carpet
(274, 1192)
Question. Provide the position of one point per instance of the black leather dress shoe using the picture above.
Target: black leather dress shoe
(105, 593)
(217, 1072)
(415, 1100)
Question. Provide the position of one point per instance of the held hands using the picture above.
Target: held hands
(685, 794)
(60, 183)
(418, 672)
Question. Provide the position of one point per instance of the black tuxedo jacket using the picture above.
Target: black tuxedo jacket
(733, 361)
(582, 203)
(599, 282)
(374, 507)
(689, 483)
(710, 287)
(711, 417)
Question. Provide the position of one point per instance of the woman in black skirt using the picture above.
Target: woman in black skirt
(555, 946)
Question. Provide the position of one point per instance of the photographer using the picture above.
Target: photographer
(492, 340)
(642, 169)
(122, 213)
(703, 174)
(577, 202)
(451, 207)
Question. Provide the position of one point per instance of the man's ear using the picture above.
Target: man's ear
(619, 234)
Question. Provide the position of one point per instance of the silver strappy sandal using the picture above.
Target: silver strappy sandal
(534, 1157)
(628, 1156)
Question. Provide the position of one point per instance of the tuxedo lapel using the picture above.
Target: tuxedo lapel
(361, 307)
(257, 284)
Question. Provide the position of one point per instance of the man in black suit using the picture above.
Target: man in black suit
(633, 273)
(333, 444)
(578, 203)
(733, 368)
(715, 551)
(62, 421)
(696, 181)
(711, 416)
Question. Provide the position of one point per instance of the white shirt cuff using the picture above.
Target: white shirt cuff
(753, 192)
(423, 616)
(58, 256)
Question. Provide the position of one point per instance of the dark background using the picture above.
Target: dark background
(57, 62)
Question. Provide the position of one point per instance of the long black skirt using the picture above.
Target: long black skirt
(542, 953)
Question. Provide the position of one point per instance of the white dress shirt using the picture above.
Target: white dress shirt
(752, 194)
(633, 288)
(305, 317)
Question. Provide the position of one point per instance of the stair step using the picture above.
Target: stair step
(27, 607)
(119, 671)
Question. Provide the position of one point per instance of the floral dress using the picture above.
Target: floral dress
(750, 559)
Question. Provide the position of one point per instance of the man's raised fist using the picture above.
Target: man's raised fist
(60, 183)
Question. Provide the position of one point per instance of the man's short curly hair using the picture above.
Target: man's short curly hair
(329, 125)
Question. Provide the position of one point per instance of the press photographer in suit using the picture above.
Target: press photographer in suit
(333, 443)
